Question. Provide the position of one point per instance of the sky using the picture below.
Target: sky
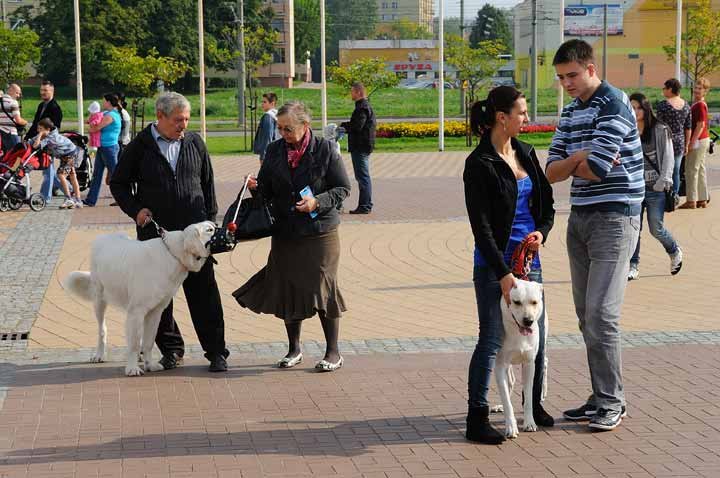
(452, 7)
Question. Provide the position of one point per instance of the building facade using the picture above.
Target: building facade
(637, 32)
(282, 70)
(8, 8)
(417, 11)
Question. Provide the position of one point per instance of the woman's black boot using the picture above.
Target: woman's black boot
(479, 428)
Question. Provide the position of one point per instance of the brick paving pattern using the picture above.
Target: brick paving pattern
(397, 408)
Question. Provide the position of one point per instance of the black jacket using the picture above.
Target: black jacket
(361, 128)
(177, 199)
(491, 197)
(322, 169)
(52, 111)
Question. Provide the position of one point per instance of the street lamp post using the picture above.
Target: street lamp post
(78, 69)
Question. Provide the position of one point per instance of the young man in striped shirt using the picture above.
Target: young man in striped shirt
(597, 144)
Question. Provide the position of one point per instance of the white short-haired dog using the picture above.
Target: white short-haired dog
(520, 346)
(140, 277)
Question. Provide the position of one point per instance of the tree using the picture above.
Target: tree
(107, 23)
(403, 29)
(474, 65)
(18, 48)
(370, 72)
(353, 20)
(221, 43)
(307, 27)
(702, 37)
(138, 75)
(491, 24)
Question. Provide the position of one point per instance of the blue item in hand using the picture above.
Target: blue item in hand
(307, 193)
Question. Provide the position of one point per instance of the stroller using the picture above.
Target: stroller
(83, 164)
(15, 167)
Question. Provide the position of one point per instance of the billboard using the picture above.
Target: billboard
(587, 20)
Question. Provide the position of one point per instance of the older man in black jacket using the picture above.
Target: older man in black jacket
(174, 177)
(361, 142)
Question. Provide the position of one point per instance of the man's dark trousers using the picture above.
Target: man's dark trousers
(361, 169)
(203, 300)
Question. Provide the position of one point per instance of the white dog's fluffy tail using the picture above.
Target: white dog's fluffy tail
(80, 284)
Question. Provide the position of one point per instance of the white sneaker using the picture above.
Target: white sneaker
(68, 204)
(676, 261)
(634, 272)
(78, 203)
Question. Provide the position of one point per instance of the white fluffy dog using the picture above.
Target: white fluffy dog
(520, 346)
(141, 277)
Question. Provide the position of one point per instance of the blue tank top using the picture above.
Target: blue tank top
(523, 224)
(109, 134)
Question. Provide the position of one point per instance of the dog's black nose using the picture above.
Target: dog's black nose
(527, 321)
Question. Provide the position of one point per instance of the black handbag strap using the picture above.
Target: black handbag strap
(241, 196)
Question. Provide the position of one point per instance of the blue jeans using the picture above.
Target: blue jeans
(676, 173)
(50, 181)
(106, 157)
(490, 338)
(361, 169)
(654, 203)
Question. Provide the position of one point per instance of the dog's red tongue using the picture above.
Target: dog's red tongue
(525, 331)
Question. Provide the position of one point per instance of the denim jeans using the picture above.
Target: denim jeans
(599, 248)
(50, 181)
(361, 169)
(106, 157)
(490, 338)
(654, 203)
(676, 173)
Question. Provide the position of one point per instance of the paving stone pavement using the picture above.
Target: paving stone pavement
(397, 407)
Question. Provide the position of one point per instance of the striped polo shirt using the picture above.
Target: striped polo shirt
(605, 127)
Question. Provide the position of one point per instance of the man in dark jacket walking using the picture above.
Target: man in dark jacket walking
(174, 186)
(361, 142)
(48, 108)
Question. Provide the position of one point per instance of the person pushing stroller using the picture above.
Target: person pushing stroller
(59, 146)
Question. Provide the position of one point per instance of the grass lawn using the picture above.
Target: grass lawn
(393, 102)
(233, 145)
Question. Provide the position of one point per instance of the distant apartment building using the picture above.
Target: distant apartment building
(417, 11)
(282, 70)
(637, 32)
(8, 8)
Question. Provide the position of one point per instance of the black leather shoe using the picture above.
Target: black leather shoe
(218, 364)
(360, 211)
(170, 362)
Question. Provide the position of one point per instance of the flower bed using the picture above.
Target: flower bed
(452, 129)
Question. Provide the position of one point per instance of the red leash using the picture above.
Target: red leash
(522, 258)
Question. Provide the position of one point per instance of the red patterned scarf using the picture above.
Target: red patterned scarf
(295, 155)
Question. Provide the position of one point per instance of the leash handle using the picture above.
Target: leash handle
(161, 232)
(242, 196)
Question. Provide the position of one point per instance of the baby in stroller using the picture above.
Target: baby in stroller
(59, 146)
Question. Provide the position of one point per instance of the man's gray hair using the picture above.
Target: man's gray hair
(167, 103)
(297, 111)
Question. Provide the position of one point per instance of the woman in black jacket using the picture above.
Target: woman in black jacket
(305, 179)
(508, 200)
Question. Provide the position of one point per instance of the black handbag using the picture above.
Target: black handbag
(249, 218)
(671, 198)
